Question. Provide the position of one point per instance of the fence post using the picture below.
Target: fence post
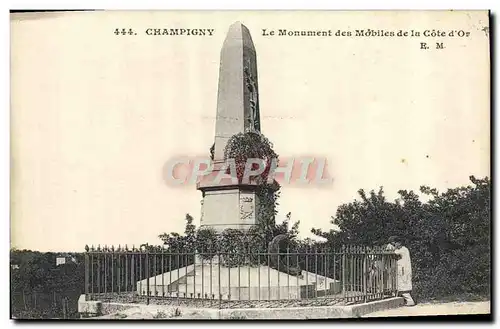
(119, 271)
(106, 278)
(147, 275)
(343, 269)
(316, 272)
(155, 271)
(64, 307)
(92, 279)
(86, 273)
(24, 301)
(112, 252)
(365, 272)
(394, 275)
(288, 269)
(307, 271)
(98, 266)
(163, 270)
(219, 259)
(383, 266)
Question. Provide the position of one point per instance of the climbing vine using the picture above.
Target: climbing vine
(250, 145)
(254, 145)
(234, 245)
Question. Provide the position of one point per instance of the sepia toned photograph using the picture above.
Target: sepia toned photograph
(250, 165)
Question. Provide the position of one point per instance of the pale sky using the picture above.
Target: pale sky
(95, 116)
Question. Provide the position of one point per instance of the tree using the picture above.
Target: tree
(176, 242)
(448, 236)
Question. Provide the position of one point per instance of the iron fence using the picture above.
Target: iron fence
(157, 275)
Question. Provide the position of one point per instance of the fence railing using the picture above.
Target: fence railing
(221, 279)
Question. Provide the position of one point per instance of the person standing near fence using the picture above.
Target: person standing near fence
(404, 276)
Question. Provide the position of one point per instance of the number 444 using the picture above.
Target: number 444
(124, 32)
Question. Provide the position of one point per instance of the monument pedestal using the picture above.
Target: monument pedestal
(227, 204)
(229, 207)
(211, 280)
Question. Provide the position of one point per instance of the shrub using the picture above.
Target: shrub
(206, 243)
(233, 247)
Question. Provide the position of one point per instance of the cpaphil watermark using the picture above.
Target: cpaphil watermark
(298, 171)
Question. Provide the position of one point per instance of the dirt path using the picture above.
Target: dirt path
(436, 309)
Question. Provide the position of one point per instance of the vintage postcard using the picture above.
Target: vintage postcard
(250, 164)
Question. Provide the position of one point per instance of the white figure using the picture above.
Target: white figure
(404, 276)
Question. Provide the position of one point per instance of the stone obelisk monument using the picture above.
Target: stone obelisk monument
(228, 205)
(233, 205)
(237, 101)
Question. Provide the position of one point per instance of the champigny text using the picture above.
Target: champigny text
(187, 32)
